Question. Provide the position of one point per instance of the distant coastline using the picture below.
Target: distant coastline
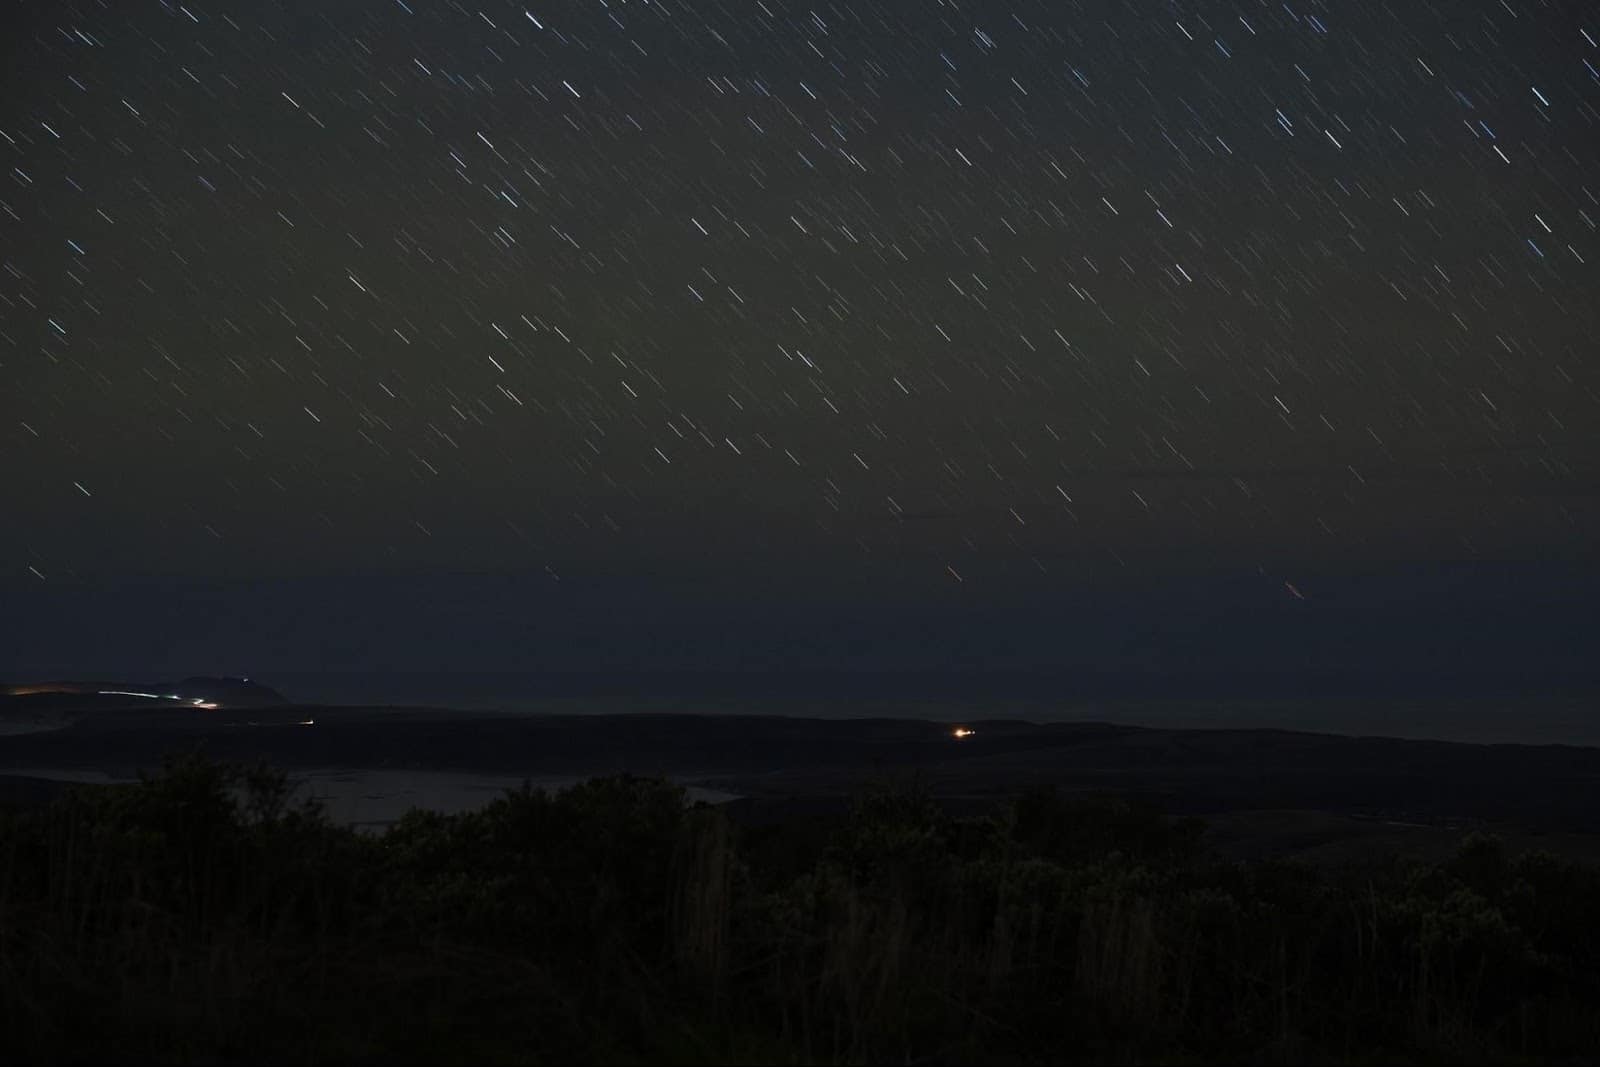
(1489, 710)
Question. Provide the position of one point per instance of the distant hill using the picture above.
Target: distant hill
(198, 690)
(230, 692)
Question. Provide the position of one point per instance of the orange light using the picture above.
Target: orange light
(961, 731)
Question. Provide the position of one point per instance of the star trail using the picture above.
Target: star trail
(925, 291)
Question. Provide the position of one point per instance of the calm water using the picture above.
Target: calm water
(373, 799)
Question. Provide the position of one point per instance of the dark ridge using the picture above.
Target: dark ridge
(1188, 771)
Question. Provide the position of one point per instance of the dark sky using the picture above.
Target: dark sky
(424, 333)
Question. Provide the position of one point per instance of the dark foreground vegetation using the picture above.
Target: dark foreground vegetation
(200, 916)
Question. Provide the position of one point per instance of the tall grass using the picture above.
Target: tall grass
(199, 916)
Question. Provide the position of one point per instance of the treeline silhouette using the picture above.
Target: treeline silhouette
(202, 915)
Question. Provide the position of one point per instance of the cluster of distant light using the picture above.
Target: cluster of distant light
(193, 701)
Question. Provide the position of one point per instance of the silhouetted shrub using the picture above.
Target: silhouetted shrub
(201, 914)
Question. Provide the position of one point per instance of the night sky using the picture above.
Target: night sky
(392, 334)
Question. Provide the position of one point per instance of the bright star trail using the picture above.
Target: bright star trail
(929, 292)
